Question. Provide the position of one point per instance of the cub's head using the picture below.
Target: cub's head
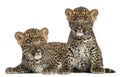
(81, 21)
(32, 37)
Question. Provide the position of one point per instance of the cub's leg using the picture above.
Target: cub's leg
(51, 69)
(96, 61)
(66, 68)
(67, 60)
(18, 69)
(52, 64)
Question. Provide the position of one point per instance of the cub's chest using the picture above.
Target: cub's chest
(81, 53)
(37, 65)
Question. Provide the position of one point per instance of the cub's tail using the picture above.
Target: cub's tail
(107, 70)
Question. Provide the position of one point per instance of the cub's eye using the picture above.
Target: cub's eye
(73, 18)
(42, 39)
(86, 21)
(37, 39)
(28, 41)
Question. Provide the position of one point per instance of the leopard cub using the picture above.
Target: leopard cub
(82, 42)
(40, 56)
(29, 42)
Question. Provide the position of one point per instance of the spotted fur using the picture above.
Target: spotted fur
(59, 58)
(82, 42)
(29, 42)
(41, 57)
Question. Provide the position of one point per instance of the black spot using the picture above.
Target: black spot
(91, 48)
(70, 50)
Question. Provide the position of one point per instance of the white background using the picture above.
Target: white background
(19, 15)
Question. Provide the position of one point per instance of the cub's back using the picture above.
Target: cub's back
(56, 46)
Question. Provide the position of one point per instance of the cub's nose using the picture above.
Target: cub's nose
(36, 43)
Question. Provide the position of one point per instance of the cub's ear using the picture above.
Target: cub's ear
(93, 14)
(45, 32)
(68, 12)
(19, 37)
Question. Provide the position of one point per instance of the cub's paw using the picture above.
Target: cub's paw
(48, 71)
(97, 70)
(9, 70)
(64, 71)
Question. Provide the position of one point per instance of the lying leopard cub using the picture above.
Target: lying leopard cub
(28, 40)
(82, 42)
(39, 56)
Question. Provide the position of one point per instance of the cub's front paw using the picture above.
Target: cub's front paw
(9, 70)
(97, 70)
(64, 71)
(48, 71)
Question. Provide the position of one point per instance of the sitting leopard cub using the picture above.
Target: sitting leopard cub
(39, 56)
(28, 40)
(82, 42)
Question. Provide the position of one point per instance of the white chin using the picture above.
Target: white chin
(79, 34)
(38, 57)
